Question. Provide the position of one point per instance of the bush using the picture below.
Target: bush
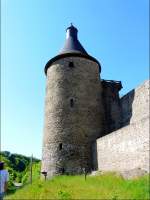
(63, 195)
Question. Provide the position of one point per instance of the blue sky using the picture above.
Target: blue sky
(32, 31)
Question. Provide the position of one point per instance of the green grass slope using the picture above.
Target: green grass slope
(106, 186)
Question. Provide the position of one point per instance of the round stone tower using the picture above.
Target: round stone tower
(73, 109)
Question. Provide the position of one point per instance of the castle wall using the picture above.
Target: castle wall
(128, 147)
(73, 114)
(135, 104)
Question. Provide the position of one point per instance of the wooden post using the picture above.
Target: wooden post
(85, 174)
(31, 161)
(45, 177)
(45, 174)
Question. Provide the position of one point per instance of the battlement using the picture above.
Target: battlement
(112, 83)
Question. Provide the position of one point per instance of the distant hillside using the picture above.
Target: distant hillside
(18, 167)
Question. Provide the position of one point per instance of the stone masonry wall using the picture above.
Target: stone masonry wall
(135, 104)
(128, 147)
(73, 115)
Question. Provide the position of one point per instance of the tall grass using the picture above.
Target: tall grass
(106, 186)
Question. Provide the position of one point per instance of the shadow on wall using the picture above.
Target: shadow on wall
(118, 113)
(94, 157)
(127, 107)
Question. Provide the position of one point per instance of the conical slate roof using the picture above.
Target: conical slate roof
(72, 48)
(72, 44)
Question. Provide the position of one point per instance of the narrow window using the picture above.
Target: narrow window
(63, 170)
(71, 64)
(60, 146)
(71, 154)
(71, 103)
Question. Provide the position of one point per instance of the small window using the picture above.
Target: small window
(60, 146)
(71, 64)
(63, 170)
(71, 103)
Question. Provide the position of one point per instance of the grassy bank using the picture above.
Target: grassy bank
(107, 186)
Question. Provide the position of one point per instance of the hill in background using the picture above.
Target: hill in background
(18, 167)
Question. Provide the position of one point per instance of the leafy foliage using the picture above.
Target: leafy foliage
(63, 195)
(18, 167)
